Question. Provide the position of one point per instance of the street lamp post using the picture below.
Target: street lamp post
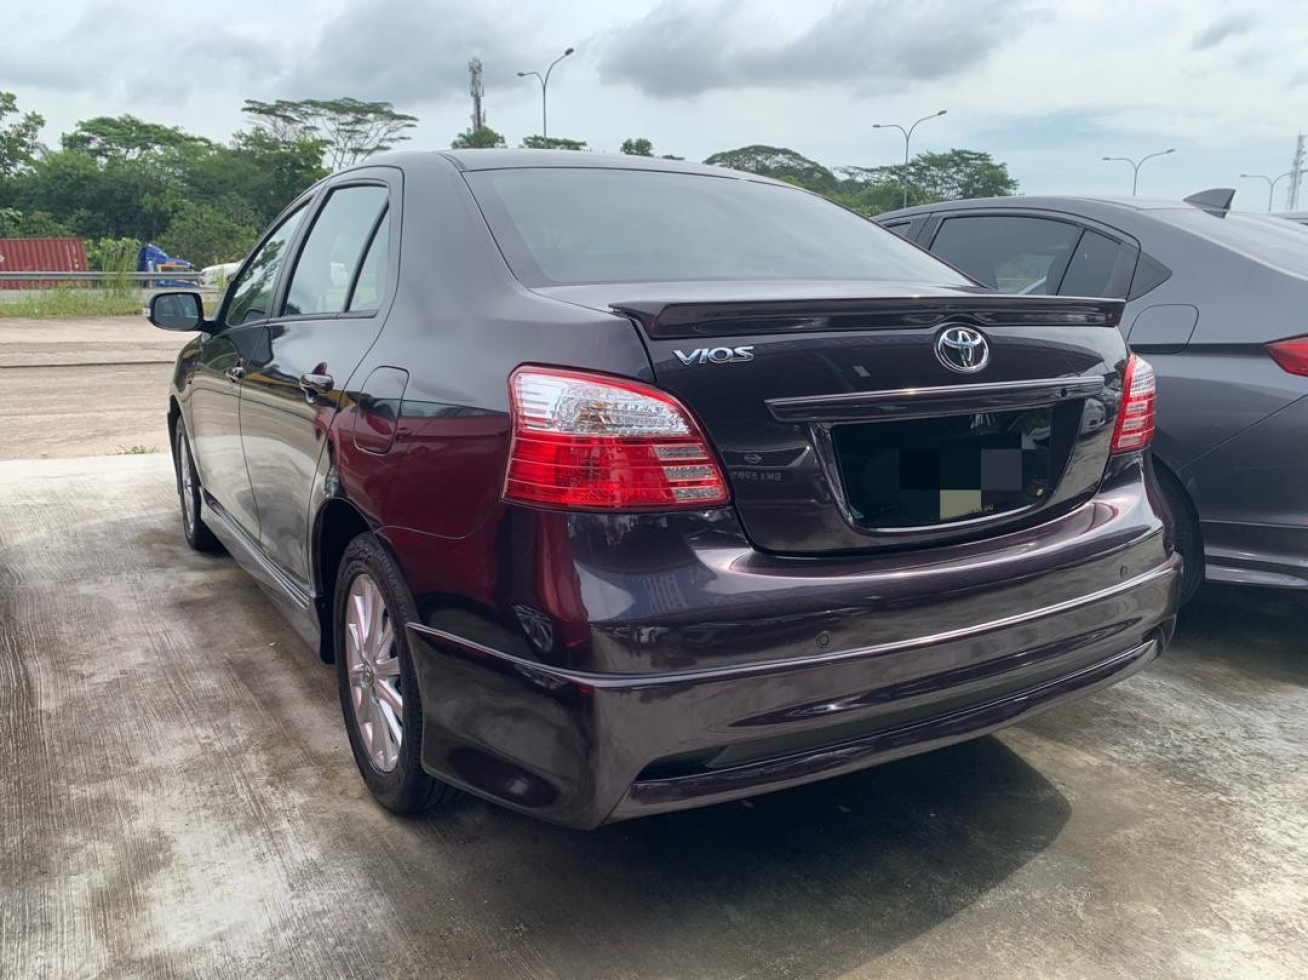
(908, 135)
(1271, 183)
(544, 84)
(1135, 167)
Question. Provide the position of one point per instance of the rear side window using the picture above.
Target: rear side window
(1012, 254)
(371, 281)
(1090, 271)
(1149, 274)
(334, 250)
(591, 225)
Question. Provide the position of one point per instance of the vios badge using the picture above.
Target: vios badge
(962, 349)
(715, 355)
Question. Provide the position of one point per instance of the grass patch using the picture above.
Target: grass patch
(66, 301)
(136, 450)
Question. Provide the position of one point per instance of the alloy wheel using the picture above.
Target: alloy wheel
(187, 481)
(373, 663)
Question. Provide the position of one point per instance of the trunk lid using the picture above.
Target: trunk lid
(846, 423)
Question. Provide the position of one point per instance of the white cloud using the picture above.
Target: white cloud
(1047, 85)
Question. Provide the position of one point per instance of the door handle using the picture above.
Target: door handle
(314, 385)
(235, 374)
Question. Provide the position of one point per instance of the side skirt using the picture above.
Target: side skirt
(290, 599)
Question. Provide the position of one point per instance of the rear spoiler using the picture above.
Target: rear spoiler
(672, 320)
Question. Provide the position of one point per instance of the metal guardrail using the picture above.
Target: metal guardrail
(193, 276)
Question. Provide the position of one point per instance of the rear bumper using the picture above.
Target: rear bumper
(581, 748)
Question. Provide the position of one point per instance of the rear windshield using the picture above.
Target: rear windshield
(569, 226)
(1280, 244)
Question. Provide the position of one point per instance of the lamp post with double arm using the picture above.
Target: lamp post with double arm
(544, 86)
(1271, 183)
(908, 135)
(1135, 167)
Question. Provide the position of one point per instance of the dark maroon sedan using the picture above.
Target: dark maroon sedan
(614, 486)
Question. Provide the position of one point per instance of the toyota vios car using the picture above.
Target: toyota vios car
(614, 486)
(1216, 301)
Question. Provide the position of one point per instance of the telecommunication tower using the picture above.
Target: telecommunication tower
(1296, 175)
(477, 90)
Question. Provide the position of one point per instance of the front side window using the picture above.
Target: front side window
(251, 294)
(333, 250)
(1012, 254)
(572, 225)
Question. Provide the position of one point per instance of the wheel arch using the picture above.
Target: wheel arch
(174, 414)
(337, 523)
(1185, 529)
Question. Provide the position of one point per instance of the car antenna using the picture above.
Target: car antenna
(1216, 200)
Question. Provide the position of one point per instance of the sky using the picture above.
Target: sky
(1048, 87)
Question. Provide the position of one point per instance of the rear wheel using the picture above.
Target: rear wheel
(378, 685)
(1185, 523)
(197, 533)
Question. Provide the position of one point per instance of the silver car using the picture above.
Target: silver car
(1218, 302)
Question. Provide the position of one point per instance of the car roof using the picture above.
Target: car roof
(506, 159)
(1076, 204)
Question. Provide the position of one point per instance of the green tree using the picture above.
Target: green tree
(638, 147)
(283, 120)
(350, 129)
(953, 176)
(33, 224)
(111, 198)
(265, 172)
(928, 177)
(777, 162)
(477, 139)
(18, 138)
(206, 235)
(551, 143)
(125, 137)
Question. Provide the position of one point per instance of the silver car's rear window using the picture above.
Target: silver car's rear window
(564, 226)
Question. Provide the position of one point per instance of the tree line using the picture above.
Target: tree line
(118, 180)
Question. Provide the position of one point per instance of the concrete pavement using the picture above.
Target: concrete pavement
(178, 800)
(80, 387)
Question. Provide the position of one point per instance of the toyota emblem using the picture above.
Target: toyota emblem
(962, 349)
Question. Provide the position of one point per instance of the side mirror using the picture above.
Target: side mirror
(177, 311)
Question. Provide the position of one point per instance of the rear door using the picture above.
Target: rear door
(1036, 253)
(327, 316)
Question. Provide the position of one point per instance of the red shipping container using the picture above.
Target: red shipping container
(40, 255)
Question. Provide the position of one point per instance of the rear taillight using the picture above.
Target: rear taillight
(1291, 354)
(1134, 430)
(591, 442)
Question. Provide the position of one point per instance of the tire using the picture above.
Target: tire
(1185, 528)
(197, 533)
(375, 675)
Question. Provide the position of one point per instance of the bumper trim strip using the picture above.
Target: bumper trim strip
(1170, 568)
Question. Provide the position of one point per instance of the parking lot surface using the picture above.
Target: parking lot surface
(87, 386)
(178, 799)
